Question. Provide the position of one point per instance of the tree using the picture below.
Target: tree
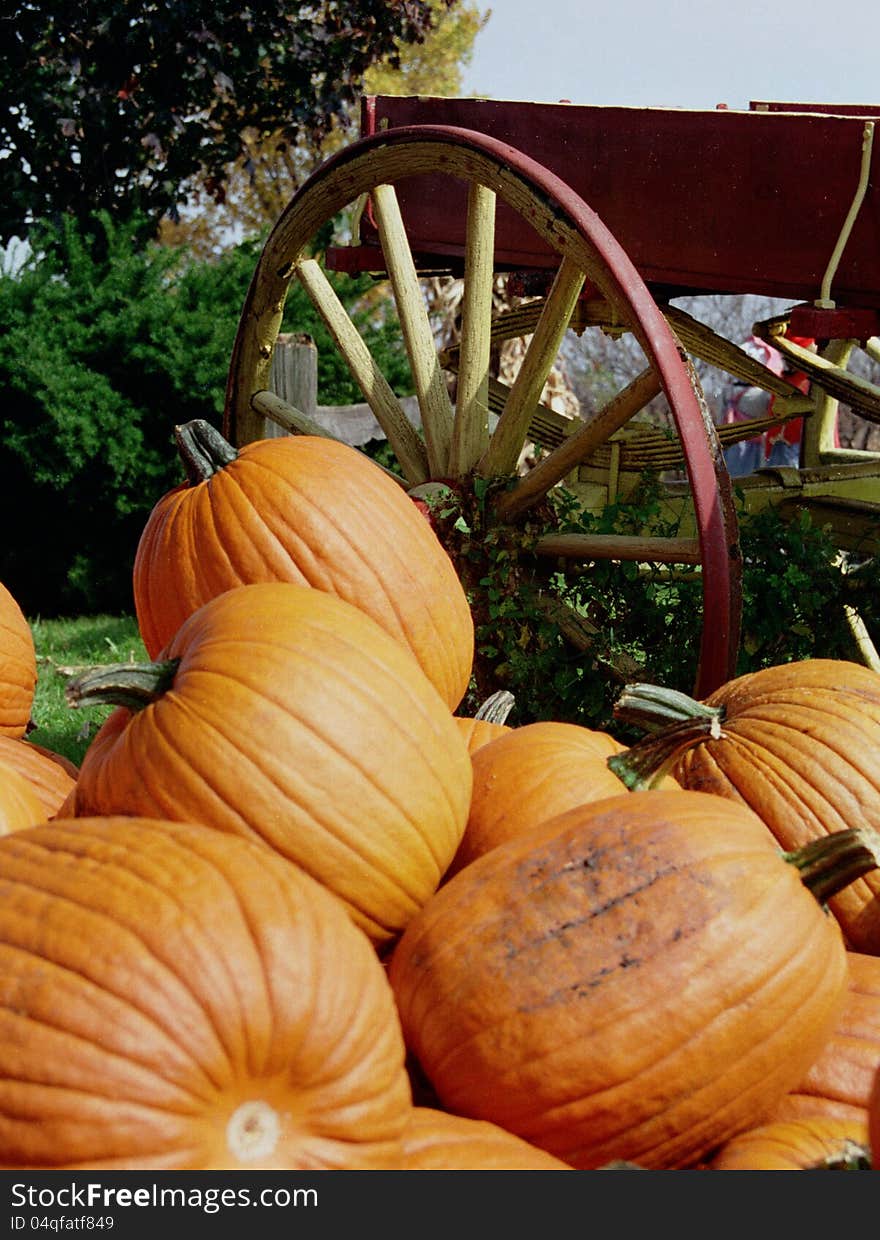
(270, 167)
(109, 106)
(103, 350)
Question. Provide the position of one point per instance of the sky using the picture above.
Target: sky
(677, 53)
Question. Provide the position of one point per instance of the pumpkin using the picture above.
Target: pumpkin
(435, 1140)
(838, 1084)
(533, 773)
(479, 732)
(799, 743)
(20, 806)
(811, 1144)
(311, 511)
(874, 1121)
(287, 715)
(637, 979)
(50, 774)
(173, 998)
(18, 667)
(489, 722)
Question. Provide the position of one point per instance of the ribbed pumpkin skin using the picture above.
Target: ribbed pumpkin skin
(437, 1141)
(51, 775)
(18, 667)
(639, 978)
(800, 745)
(874, 1121)
(793, 1145)
(166, 992)
(295, 719)
(838, 1084)
(316, 513)
(479, 732)
(20, 806)
(533, 773)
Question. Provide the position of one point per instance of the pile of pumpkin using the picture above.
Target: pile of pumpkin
(294, 912)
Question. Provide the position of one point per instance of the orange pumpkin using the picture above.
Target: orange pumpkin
(18, 667)
(287, 715)
(50, 774)
(489, 722)
(874, 1121)
(810, 1144)
(20, 806)
(798, 743)
(479, 732)
(311, 511)
(533, 773)
(838, 1084)
(172, 998)
(435, 1140)
(637, 979)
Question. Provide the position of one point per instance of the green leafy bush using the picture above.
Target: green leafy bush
(627, 621)
(102, 352)
(99, 357)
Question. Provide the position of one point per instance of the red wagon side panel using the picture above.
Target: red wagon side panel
(702, 201)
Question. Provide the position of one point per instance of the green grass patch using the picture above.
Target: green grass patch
(64, 648)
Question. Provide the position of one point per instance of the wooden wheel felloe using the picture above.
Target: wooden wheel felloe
(460, 443)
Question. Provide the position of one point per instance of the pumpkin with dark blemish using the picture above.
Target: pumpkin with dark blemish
(639, 978)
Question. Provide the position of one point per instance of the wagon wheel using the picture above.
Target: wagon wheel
(457, 444)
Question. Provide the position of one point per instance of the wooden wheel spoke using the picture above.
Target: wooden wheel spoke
(547, 425)
(521, 320)
(642, 548)
(287, 416)
(386, 169)
(295, 422)
(470, 433)
(510, 434)
(577, 446)
(434, 402)
(703, 342)
(387, 409)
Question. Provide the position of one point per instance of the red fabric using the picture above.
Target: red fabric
(791, 430)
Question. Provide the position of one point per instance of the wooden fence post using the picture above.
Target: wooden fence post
(294, 376)
(293, 379)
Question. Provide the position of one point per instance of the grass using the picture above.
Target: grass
(64, 648)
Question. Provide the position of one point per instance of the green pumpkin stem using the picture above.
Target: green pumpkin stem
(133, 685)
(647, 763)
(654, 707)
(832, 862)
(203, 450)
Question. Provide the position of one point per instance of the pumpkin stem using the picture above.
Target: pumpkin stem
(832, 862)
(652, 707)
(203, 450)
(675, 723)
(647, 763)
(497, 707)
(133, 685)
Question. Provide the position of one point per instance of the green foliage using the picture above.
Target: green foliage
(625, 621)
(794, 592)
(65, 647)
(115, 106)
(99, 358)
(102, 352)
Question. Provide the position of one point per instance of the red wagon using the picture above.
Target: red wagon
(599, 218)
